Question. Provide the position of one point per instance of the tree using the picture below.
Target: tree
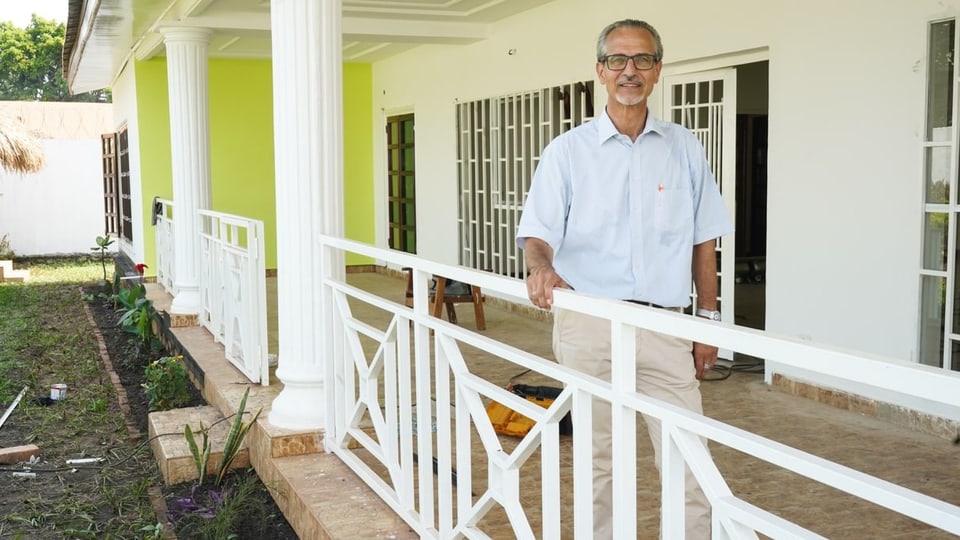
(31, 68)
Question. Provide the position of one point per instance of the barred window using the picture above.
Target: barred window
(498, 147)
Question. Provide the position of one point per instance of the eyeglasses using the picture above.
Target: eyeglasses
(618, 62)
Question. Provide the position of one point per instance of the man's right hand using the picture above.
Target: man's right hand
(540, 284)
(541, 277)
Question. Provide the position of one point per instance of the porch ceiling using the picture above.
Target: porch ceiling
(103, 36)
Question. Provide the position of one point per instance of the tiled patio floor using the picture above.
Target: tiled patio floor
(925, 463)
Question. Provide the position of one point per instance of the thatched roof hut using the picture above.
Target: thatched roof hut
(19, 150)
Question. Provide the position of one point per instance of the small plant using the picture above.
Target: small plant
(231, 447)
(154, 531)
(136, 310)
(5, 251)
(103, 242)
(200, 453)
(220, 513)
(140, 268)
(166, 383)
(136, 315)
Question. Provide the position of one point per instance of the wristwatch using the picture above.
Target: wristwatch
(708, 314)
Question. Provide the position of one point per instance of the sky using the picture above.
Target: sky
(18, 11)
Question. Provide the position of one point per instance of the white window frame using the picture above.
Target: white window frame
(947, 274)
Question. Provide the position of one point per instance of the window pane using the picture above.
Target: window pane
(395, 238)
(703, 92)
(956, 289)
(717, 91)
(935, 241)
(932, 295)
(940, 81)
(411, 242)
(938, 175)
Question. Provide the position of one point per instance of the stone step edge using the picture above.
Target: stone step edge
(322, 498)
(170, 449)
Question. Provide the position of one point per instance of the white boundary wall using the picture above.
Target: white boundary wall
(60, 208)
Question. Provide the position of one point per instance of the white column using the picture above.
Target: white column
(190, 155)
(307, 121)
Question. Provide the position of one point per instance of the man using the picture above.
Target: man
(625, 207)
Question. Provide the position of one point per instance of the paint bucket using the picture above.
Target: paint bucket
(58, 392)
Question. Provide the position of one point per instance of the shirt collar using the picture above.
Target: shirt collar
(606, 129)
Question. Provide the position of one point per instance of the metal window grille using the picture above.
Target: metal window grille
(498, 147)
(123, 172)
(111, 187)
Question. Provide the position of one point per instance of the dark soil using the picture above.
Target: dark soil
(129, 358)
(257, 516)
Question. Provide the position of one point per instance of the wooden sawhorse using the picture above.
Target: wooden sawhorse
(439, 298)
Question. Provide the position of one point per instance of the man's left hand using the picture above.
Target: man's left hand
(704, 358)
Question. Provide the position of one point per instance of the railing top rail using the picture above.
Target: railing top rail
(230, 219)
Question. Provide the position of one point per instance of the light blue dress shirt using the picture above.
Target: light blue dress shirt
(621, 216)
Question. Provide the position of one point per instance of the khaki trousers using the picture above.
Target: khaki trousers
(664, 371)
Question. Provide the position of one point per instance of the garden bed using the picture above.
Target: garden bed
(46, 338)
(241, 507)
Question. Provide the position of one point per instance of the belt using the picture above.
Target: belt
(651, 304)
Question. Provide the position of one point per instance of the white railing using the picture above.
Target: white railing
(233, 294)
(386, 403)
(166, 253)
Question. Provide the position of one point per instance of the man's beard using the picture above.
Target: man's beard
(629, 102)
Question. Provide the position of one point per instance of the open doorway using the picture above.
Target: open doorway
(751, 195)
(401, 184)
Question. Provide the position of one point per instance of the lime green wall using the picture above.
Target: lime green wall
(241, 145)
(358, 156)
(153, 129)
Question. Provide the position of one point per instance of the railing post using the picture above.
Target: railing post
(166, 255)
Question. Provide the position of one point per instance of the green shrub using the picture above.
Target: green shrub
(166, 383)
(136, 313)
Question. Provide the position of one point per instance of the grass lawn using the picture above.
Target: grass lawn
(46, 338)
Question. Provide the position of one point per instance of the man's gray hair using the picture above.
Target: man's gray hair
(628, 23)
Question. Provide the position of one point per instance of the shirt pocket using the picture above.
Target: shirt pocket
(673, 209)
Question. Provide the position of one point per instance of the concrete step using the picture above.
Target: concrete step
(7, 273)
(324, 499)
(172, 451)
